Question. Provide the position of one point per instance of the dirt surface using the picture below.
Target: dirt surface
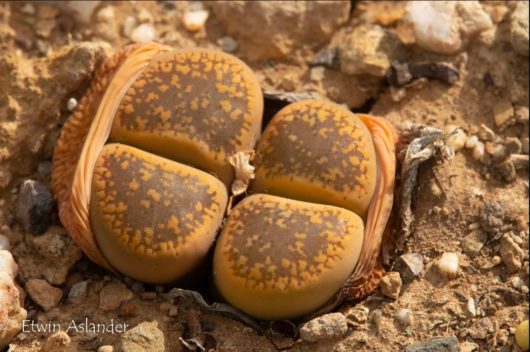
(475, 206)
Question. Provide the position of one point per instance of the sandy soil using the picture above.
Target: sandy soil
(48, 56)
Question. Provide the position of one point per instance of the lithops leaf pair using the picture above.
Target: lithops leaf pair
(143, 174)
(141, 168)
(311, 234)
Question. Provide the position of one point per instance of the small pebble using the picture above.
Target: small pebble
(106, 348)
(317, 73)
(409, 266)
(195, 20)
(517, 282)
(113, 295)
(58, 342)
(143, 33)
(448, 264)
(227, 44)
(511, 253)
(471, 308)
(4, 243)
(34, 207)
(446, 26)
(328, 326)
(442, 344)
(521, 335)
(497, 151)
(43, 293)
(404, 316)
(471, 142)
(129, 23)
(390, 285)
(485, 133)
(481, 328)
(513, 145)
(473, 226)
(78, 291)
(367, 51)
(145, 336)
(71, 104)
(478, 151)
(503, 113)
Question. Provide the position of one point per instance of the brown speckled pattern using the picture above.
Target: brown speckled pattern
(207, 96)
(152, 206)
(273, 242)
(323, 144)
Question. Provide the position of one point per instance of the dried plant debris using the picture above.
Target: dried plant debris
(243, 169)
(419, 144)
(288, 98)
(221, 308)
(280, 333)
(402, 73)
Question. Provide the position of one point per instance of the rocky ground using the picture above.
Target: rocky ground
(460, 283)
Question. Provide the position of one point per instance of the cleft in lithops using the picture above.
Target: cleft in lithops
(278, 258)
(129, 207)
(311, 235)
(154, 219)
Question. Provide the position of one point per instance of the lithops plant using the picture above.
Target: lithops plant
(141, 170)
(315, 239)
